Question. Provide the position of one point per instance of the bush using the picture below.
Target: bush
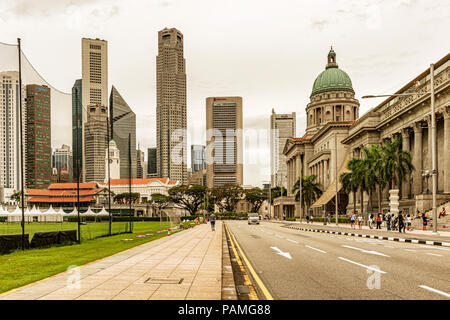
(333, 219)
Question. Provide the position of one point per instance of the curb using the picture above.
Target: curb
(419, 241)
(228, 285)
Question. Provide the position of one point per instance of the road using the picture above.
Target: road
(296, 264)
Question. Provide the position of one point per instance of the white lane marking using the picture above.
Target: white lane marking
(278, 236)
(367, 251)
(435, 248)
(411, 250)
(292, 240)
(388, 246)
(433, 254)
(362, 265)
(315, 249)
(445, 294)
(281, 253)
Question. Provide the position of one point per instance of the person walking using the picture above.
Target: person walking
(400, 222)
(370, 220)
(212, 219)
(379, 221)
(408, 222)
(424, 221)
(307, 218)
(352, 220)
(388, 220)
(360, 221)
(329, 218)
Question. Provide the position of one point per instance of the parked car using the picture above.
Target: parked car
(253, 218)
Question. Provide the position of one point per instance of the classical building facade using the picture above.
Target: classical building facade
(320, 152)
(282, 127)
(171, 120)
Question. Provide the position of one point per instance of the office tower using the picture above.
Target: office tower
(62, 158)
(94, 85)
(198, 157)
(77, 129)
(123, 122)
(224, 157)
(140, 164)
(38, 154)
(95, 143)
(151, 163)
(282, 127)
(114, 162)
(10, 131)
(171, 106)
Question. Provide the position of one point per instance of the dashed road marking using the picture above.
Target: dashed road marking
(315, 249)
(433, 254)
(362, 265)
(292, 241)
(445, 294)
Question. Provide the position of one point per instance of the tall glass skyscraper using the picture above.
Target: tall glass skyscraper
(77, 146)
(123, 122)
(151, 163)
(198, 157)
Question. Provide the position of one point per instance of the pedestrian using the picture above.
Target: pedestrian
(388, 220)
(442, 213)
(379, 221)
(400, 222)
(212, 219)
(329, 218)
(352, 220)
(371, 221)
(424, 221)
(360, 221)
(307, 218)
(408, 222)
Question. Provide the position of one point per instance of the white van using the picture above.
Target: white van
(253, 218)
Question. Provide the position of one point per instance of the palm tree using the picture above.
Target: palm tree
(311, 190)
(372, 163)
(358, 169)
(397, 163)
(350, 185)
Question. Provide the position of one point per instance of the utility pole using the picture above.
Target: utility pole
(336, 178)
(21, 145)
(433, 149)
(78, 162)
(129, 178)
(109, 178)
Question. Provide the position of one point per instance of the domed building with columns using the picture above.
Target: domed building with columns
(335, 133)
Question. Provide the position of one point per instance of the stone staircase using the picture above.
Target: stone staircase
(443, 222)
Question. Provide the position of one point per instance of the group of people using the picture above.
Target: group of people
(400, 222)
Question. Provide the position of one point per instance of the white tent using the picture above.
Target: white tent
(103, 212)
(50, 216)
(89, 213)
(3, 212)
(73, 213)
(16, 215)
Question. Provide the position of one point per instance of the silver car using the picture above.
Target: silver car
(253, 218)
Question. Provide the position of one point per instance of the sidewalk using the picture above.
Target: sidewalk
(443, 237)
(186, 265)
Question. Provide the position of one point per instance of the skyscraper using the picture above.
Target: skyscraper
(171, 106)
(94, 73)
(123, 122)
(282, 127)
(151, 163)
(198, 157)
(95, 133)
(38, 154)
(62, 158)
(77, 129)
(10, 131)
(140, 171)
(224, 149)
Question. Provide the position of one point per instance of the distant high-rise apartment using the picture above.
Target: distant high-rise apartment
(77, 129)
(224, 149)
(10, 131)
(95, 133)
(140, 164)
(123, 123)
(151, 163)
(94, 73)
(38, 154)
(171, 106)
(282, 127)
(198, 157)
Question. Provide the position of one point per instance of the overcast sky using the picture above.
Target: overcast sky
(267, 52)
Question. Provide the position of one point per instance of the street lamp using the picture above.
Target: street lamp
(426, 174)
(433, 138)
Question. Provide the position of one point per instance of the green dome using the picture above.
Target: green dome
(112, 143)
(332, 79)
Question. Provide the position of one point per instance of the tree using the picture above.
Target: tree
(120, 198)
(397, 163)
(349, 185)
(311, 190)
(227, 197)
(16, 197)
(278, 192)
(188, 197)
(373, 157)
(160, 201)
(256, 197)
(358, 168)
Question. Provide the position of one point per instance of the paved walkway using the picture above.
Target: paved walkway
(195, 255)
(344, 227)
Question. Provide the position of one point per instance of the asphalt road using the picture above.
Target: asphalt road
(296, 264)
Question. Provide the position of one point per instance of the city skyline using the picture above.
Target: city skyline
(374, 62)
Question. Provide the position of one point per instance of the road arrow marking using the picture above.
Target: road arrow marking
(281, 253)
(367, 251)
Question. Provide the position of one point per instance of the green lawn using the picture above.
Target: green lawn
(22, 267)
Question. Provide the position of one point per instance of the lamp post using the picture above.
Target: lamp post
(426, 174)
(432, 129)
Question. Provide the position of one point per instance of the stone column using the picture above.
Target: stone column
(288, 182)
(405, 147)
(446, 168)
(417, 159)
